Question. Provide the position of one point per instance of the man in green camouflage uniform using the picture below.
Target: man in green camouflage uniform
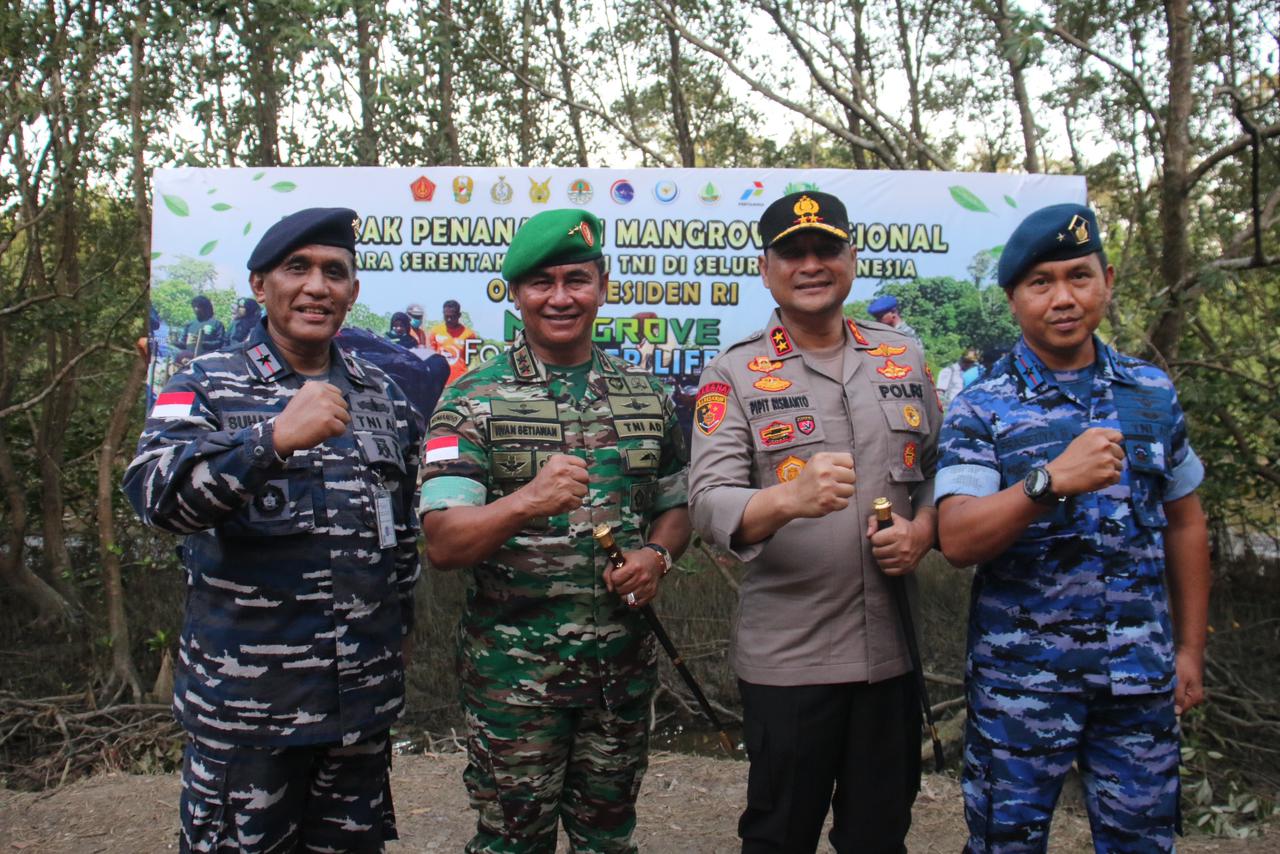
(527, 453)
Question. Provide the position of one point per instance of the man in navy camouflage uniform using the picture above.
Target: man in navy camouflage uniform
(1067, 475)
(527, 453)
(290, 467)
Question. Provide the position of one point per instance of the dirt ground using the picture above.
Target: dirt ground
(689, 805)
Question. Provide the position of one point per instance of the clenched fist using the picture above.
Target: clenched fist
(559, 487)
(1092, 461)
(824, 485)
(317, 412)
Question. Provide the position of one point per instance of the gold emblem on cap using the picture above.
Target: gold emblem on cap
(584, 230)
(355, 228)
(806, 210)
(1079, 228)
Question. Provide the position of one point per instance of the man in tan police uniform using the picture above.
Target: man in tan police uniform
(799, 427)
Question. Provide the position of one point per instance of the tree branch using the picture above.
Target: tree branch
(1134, 82)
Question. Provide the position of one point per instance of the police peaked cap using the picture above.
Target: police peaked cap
(313, 226)
(1055, 233)
(551, 238)
(808, 210)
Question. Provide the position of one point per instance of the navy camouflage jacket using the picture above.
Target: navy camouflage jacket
(1078, 602)
(297, 599)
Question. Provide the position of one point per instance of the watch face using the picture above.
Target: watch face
(1036, 483)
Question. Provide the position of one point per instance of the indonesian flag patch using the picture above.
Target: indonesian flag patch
(442, 448)
(174, 404)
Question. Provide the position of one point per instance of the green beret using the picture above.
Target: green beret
(551, 238)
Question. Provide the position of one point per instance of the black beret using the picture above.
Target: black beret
(801, 211)
(319, 226)
(1055, 233)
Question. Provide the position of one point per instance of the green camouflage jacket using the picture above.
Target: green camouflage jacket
(540, 628)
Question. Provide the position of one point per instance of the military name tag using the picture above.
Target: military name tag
(386, 518)
(537, 430)
(241, 420)
(639, 427)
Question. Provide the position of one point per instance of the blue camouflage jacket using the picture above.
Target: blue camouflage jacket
(1078, 602)
(296, 604)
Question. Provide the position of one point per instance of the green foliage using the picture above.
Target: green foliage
(362, 317)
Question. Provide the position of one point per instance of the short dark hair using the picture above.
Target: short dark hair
(452, 303)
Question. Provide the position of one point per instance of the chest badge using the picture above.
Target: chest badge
(712, 403)
(892, 370)
(806, 425)
(789, 469)
(776, 433)
(763, 365)
(886, 350)
(772, 383)
(911, 415)
(909, 455)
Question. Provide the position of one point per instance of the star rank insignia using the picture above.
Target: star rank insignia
(264, 361)
(781, 343)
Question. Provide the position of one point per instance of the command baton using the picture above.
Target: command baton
(898, 584)
(604, 536)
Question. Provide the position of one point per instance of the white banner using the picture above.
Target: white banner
(682, 243)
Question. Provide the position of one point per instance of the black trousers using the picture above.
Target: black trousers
(857, 740)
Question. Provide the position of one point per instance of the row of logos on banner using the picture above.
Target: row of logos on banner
(581, 191)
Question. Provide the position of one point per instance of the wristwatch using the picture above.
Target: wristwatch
(1038, 485)
(662, 553)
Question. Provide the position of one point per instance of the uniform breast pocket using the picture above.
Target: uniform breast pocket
(283, 506)
(1148, 473)
(907, 428)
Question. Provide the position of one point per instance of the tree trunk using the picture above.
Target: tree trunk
(679, 105)
(50, 447)
(566, 83)
(366, 49)
(1004, 26)
(1174, 207)
(108, 551)
(913, 85)
(50, 607)
(448, 127)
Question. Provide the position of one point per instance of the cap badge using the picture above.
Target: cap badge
(806, 210)
(584, 229)
(355, 228)
(1079, 228)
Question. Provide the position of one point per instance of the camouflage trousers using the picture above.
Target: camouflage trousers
(262, 800)
(1019, 746)
(531, 767)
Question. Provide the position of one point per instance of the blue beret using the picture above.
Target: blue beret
(880, 305)
(552, 238)
(319, 226)
(1055, 233)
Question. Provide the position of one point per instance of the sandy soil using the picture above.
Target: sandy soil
(689, 805)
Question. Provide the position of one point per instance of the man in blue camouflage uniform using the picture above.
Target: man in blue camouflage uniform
(291, 469)
(1067, 475)
(527, 454)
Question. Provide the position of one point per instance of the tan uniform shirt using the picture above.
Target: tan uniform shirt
(814, 607)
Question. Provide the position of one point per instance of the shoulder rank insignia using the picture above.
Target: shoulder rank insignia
(886, 350)
(856, 332)
(893, 370)
(780, 341)
(763, 365)
(772, 383)
(264, 361)
(523, 363)
(789, 469)
(708, 412)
